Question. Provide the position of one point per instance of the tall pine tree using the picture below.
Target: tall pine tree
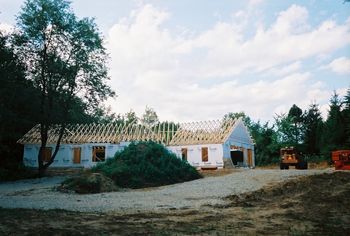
(346, 115)
(313, 125)
(334, 135)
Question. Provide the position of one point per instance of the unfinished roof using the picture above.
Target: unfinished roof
(203, 132)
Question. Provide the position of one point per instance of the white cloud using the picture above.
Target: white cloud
(200, 76)
(286, 41)
(254, 3)
(285, 70)
(340, 65)
(6, 28)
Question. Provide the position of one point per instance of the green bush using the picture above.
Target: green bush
(146, 164)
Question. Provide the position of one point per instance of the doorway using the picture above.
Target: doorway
(237, 157)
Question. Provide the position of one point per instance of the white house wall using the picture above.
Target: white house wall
(64, 157)
(194, 154)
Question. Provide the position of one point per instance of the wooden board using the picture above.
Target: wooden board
(76, 155)
(250, 157)
(204, 154)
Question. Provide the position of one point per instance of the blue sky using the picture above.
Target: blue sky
(197, 60)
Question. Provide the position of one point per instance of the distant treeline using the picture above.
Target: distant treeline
(315, 137)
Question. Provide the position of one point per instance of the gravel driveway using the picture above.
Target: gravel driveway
(40, 193)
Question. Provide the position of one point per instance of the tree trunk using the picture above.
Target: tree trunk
(43, 134)
(42, 167)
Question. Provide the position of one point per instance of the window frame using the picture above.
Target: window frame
(95, 151)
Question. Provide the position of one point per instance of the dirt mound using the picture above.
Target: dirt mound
(313, 205)
(88, 183)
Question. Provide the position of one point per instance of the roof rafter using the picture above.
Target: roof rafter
(168, 133)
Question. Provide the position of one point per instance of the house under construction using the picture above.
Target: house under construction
(206, 144)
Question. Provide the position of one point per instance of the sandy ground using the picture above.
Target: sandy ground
(211, 190)
(307, 205)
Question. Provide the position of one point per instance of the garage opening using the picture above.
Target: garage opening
(237, 157)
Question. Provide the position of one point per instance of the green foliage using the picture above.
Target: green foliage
(307, 131)
(65, 59)
(295, 115)
(17, 114)
(150, 117)
(346, 115)
(285, 130)
(235, 115)
(130, 117)
(313, 127)
(334, 134)
(145, 164)
(266, 144)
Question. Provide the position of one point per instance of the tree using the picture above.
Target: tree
(285, 130)
(346, 115)
(334, 135)
(64, 58)
(104, 115)
(313, 129)
(266, 144)
(235, 115)
(295, 115)
(290, 127)
(17, 115)
(130, 117)
(150, 117)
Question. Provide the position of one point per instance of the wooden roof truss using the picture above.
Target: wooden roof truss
(203, 132)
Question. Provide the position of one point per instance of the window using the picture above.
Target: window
(76, 155)
(184, 154)
(46, 154)
(204, 154)
(98, 153)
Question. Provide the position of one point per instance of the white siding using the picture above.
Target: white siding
(216, 152)
(64, 157)
(194, 154)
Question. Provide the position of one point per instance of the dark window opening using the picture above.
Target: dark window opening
(98, 153)
(184, 154)
(47, 153)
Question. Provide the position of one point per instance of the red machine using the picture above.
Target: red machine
(341, 159)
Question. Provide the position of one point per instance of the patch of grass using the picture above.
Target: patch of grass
(146, 164)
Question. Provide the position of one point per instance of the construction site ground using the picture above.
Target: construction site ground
(315, 204)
